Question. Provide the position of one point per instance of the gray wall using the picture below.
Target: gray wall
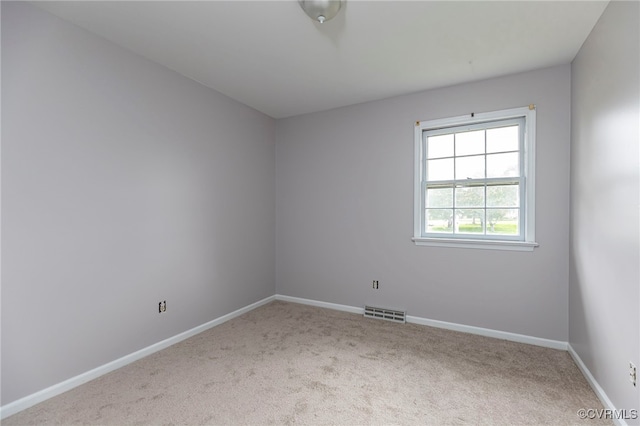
(604, 319)
(344, 200)
(123, 184)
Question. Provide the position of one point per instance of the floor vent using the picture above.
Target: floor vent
(385, 314)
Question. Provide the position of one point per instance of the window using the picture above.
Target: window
(474, 181)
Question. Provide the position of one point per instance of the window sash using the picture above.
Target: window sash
(478, 182)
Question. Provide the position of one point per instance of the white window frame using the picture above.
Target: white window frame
(528, 175)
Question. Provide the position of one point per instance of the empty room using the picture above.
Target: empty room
(320, 212)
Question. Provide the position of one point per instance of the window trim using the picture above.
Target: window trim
(529, 115)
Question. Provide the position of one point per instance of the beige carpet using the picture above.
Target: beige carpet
(286, 363)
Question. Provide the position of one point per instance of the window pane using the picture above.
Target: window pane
(439, 220)
(440, 169)
(440, 146)
(470, 167)
(503, 221)
(469, 143)
(440, 197)
(502, 139)
(470, 196)
(470, 221)
(501, 165)
(503, 196)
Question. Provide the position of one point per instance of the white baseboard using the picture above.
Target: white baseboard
(600, 393)
(497, 334)
(35, 398)
(334, 306)
(520, 338)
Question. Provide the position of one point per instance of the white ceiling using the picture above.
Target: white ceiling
(272, 57)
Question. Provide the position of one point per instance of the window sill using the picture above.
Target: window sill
(476, 244)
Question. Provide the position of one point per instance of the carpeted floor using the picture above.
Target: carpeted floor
(286, 363)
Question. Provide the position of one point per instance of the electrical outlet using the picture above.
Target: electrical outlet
(375, 284)
(633, 373)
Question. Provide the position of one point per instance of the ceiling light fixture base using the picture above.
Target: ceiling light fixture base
(321, 10)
